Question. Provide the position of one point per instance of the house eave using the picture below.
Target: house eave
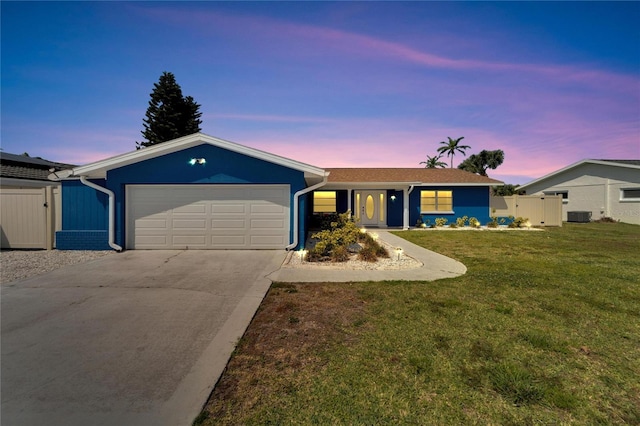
(400, 185)
(100, 168)
(574, 165)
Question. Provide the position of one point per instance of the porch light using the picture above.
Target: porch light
(302, 253)
(398, 253)
(393, 198)
(195, 161)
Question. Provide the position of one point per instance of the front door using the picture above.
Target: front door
(371, 208)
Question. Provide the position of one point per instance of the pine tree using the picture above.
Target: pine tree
(169, 115)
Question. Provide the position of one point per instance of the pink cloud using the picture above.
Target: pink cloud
(330, 40)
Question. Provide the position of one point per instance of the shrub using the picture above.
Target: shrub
(606, 219)
(340, 254)
(342, 232)
(520, 221)
(462, 221)
(493, 223)
(368, 254)
(474, 222)
(441, 221)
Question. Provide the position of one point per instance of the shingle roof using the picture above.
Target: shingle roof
(24, 167)
(409, 175)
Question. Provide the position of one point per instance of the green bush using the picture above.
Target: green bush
(462, 221)
(441, 221)
(473, 222)
(343, 232)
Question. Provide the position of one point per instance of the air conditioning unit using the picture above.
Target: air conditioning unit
(580, 217)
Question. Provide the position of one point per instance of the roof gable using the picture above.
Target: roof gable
(632, 164)
(99, 169)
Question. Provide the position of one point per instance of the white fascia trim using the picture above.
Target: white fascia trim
(397, 185)
(579, 163)
(99, 169)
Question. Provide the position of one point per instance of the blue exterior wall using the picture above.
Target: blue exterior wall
(395, 208)
(470, 201)
(84, 208)
(222, 167)
(85, 217)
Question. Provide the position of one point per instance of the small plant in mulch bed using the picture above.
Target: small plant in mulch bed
(372, 250)
(518, 222)
(462, 221)
(441, 221)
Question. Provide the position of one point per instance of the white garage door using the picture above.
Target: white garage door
(207, 216)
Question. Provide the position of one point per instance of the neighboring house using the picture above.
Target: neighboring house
(22, 171)
(594, 189)
(200, 192)
(29, 213)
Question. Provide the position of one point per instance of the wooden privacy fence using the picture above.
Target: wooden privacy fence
(29, 217)
(541, 210)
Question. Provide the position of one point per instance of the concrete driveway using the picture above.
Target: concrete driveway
(137, 338)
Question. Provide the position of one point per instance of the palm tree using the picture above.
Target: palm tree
(450, 147)
(433, 162)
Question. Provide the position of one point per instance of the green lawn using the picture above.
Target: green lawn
(543, 329)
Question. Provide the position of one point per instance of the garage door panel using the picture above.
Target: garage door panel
(151, 224)
(191, 208)
(208, 216)
(228, 208)
(228, 241)
(267, 224)
(228, 224)
(178, 224)
(266, 240)
(267, 209)
(189, 241)
(151, 241)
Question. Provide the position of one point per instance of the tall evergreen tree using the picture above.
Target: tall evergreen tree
(169, 115)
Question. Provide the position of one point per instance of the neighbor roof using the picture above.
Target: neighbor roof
(99, 168)
(404, 176)
(24, 167)
(632, 164)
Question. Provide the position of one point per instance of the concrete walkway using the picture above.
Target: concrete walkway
(434, 267)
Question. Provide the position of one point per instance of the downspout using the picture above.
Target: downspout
(112, 196)
(296, 196)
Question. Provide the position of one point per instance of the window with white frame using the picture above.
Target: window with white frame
(436, 201)
(630, 194)
(324, 202)
(564, 194)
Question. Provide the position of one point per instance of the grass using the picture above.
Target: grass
(543, 329)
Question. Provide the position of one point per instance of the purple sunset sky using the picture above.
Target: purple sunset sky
(354, 84)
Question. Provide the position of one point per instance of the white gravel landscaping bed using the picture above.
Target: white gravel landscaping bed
(395, 261)
(20, 264)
